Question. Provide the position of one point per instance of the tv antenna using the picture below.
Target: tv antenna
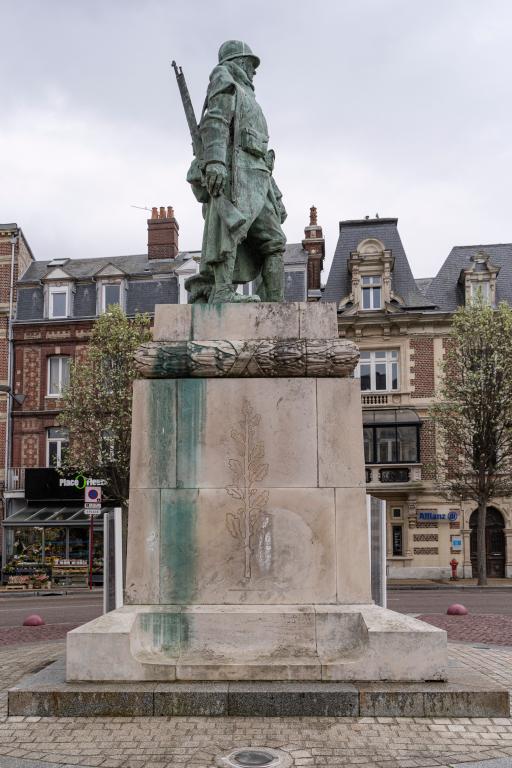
(141, 207)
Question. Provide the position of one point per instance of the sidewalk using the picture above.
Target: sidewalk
(447, 584)
(163, 742)
(49, 592)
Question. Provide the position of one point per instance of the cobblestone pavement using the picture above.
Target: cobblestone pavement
(17, 635)
(194, 742)
(476, 628)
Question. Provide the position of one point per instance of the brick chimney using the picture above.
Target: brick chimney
(162, 234)
(314, 244)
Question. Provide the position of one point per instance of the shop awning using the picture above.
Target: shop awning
(44, 516)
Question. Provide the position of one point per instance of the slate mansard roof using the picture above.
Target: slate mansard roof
(149, 282)
(351, 234)
(445, 290)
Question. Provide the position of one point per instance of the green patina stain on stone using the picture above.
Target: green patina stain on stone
(162, 426)
(164, 631)
(178, 547)
(191, 415)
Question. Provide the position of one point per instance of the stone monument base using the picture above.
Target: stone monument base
(467, 693)
(255, 642)
(248, 551)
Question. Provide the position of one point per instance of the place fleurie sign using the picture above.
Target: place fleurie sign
(46, 484)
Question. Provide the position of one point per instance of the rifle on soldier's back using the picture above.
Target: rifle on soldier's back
(225, 208)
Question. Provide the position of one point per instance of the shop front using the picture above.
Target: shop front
(48, 535)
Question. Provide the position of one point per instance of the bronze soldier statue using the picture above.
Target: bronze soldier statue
(232, 176)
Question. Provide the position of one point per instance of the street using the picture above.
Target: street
(163, 742)
(78, 608)
(59, 609)
(427, 601)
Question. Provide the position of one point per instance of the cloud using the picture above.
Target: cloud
(398, 107)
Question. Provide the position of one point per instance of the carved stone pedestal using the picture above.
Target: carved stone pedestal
(248, 554)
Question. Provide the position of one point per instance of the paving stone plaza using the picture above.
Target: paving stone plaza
(164, 742)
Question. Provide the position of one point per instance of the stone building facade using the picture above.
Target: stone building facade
(401, 326)
(58, 301)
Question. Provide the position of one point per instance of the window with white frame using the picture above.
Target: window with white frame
(57, 441)
(58, 375)
(58, 301)
(481, 291)
(371, 290)
(378, 370)
(110, 295)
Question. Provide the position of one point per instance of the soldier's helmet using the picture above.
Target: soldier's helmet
(235, 49)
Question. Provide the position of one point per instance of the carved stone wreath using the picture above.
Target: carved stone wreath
(254, 358)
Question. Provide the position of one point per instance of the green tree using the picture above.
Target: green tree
(97, 404)
(473, 412)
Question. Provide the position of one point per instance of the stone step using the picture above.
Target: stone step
(466, 694)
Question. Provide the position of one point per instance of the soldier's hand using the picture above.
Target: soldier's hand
(215, 178)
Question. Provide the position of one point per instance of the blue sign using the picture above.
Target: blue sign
(430, 516)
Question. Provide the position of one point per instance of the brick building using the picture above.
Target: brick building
(58, 301)
(15, 258)
(401, 326)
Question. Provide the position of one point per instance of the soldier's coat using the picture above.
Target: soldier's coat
(234, 132)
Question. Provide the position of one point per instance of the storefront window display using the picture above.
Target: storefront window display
(54, 543)
(97, 559)
(28, 544)
(79, 543)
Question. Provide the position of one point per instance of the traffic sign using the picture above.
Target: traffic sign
(92, 512)
(92, 494)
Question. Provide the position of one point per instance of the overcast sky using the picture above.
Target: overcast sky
(401, 107)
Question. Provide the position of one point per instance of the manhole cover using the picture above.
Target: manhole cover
(248, 757)
(255, 757)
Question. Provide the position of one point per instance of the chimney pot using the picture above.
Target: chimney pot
(163, 232)
(314, 244)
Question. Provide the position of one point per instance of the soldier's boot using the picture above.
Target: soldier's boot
(272, 276)
(223, 291)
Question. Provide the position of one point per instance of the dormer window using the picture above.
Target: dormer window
(370, 266)
(58, 301)
(479, 280)
(481, 291)
(112, 285)
(111, 295)
(371, 290)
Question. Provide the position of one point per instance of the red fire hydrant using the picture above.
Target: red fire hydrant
(454, 563)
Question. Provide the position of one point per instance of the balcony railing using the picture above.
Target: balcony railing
(379, 475)
(15, 479)
(374, 399)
